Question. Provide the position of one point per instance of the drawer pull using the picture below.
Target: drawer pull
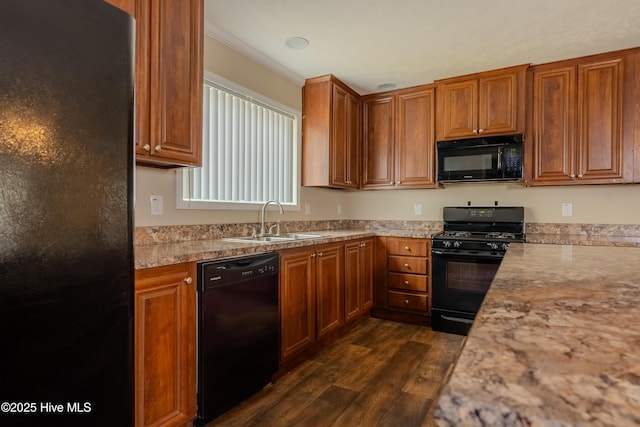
(406, 301)
(406, 265)
(406, 282)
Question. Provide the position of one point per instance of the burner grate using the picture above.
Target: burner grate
(500, 235)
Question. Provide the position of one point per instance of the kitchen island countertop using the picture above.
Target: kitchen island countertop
(555, 343)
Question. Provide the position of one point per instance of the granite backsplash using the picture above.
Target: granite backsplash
(148, 235)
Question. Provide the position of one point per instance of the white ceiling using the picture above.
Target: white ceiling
(409, 42)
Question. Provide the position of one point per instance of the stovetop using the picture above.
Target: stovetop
(481, 228)
(504, 236)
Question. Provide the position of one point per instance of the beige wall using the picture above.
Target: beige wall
(606, 204)
(227, 63)
(611, 204)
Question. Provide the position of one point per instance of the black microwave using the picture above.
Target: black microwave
(497, 158)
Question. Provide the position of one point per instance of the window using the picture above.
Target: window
(249, 152)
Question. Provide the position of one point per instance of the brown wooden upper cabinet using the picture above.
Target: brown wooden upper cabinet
(583, 120)
(399, 139)
(489, 103)
(330, 134)
(169, 69)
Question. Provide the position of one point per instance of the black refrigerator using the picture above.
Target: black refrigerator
(66, 220)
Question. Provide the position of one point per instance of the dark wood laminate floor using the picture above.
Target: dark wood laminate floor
(381, 374)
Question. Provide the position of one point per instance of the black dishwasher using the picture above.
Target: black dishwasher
(238, 330)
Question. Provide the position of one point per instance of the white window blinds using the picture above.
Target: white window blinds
(249, 151)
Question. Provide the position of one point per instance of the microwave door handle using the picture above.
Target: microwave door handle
(500, 158)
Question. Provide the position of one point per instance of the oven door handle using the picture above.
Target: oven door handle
(457, 319)
(478, 254)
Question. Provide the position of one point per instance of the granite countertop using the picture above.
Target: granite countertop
(197, 250)
(584, 239)
(556, 342)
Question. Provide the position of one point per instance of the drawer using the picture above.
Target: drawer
(405, 264)
(408, 301)
(410, 247)
(413, 282)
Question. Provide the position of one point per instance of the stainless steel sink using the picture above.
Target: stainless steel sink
(298, 236)
(263, 239)
(272, 239)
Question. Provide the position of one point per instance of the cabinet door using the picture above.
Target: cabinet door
(352, 294)
(353, 146)
(459, 109)
(344, 139)
(378, 143)
(498, 104)
(600, 121)
(330, 288)
(365, 280)
(169, 73)
(415, 138)
(297, 301)
(553, 143)
(358, 278)
(165, 337)
(339, 136)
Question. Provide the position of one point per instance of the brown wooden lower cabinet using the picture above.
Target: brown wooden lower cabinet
(311, 295)
(358, 278)
(165, 345)
(297, 301)
(324, 290)
(402, 279)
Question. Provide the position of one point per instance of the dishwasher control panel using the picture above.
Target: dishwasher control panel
(229, 270)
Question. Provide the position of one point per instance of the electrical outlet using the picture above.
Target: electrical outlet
(307, 208)
(567, 209)
(417, 209)
(156, 205)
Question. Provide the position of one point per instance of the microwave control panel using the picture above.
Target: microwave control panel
(512, 157)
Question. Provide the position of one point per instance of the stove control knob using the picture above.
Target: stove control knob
(457, 244)
(494, 246)
(504, 246)
(446, 244)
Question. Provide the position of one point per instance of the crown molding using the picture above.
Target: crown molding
(214, 31)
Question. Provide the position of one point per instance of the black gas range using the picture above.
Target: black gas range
(465, 258)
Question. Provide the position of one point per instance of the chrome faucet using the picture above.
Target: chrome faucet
(263, 231)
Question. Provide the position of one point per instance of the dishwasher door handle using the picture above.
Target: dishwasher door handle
(458, 319)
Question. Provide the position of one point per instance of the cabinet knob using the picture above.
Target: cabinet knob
(580, 176)
(475, 132)
(572, 176)
(406, 248)
(313, 255)
(146, 147)
(319, 253)
(158, 148)
(188, 280)
(480, 130)
(406, 301)
(406, 282)
(406, 265)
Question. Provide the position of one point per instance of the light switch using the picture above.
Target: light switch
(567, 209)
(156, 205)
(417, 209)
